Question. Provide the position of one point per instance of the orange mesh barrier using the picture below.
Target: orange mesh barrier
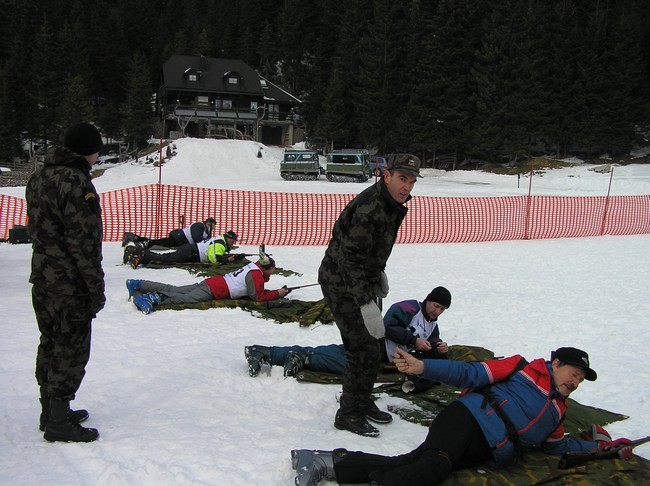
(307, 219)
(13, 212)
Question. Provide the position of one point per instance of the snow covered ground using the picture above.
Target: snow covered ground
(170, 393)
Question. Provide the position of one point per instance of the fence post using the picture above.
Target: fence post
(528, 202)
(609, 187)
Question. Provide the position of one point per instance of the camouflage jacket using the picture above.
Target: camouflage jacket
(65, 225)
(362, 240)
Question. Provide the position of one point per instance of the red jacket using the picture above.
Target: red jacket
(246, 282)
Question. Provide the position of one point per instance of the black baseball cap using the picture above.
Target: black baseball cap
(575, 357)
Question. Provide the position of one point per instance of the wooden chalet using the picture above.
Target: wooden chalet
(224, 98)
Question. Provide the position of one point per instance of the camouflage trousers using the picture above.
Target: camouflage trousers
(362, 351)
(64, 347)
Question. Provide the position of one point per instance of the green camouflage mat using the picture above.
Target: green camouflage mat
(303, 312)
(535, 467)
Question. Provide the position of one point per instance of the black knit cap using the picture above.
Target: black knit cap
(575, 357)
(441, 296)
(83, 139)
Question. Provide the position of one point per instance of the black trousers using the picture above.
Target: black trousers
(183, 254)
(454, 441)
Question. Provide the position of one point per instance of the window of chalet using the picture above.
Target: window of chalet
(233, 80)
(192, 77)
(203, 101)
(273, 111)
(253, 105)
(227, 104)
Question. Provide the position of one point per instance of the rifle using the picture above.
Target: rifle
(300, 287)
(574, 459)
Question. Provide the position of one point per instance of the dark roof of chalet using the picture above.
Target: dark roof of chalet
(212, 73)
(275, 93)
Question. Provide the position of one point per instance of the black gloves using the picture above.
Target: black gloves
(97, 302)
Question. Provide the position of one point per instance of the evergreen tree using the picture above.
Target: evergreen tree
(440, 110)
(9, 135)
(609, 122)
(478, 77)
(110, 62)
(297, 23)
(340, 120)
(110, 119)
(76, 105)
(378, 93)
(137, 110)
(267, 51)
(320, 63)
(334, 123)
(44, 86)
(502, 75)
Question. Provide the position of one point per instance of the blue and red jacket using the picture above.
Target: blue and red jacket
(528, 398)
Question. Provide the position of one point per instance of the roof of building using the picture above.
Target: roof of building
(212, 75)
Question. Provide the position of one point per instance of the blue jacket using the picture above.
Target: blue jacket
(528, 398)
(397, 320)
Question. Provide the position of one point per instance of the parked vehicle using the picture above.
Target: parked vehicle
(319, 144)
(378, 165)
(350, 165)
(300, 165)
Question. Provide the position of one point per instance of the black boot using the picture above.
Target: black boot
(257, 356)
(75, 416)
(372, 412)
(349, 417)
(295, 362)
(311, 466)
(60, 428)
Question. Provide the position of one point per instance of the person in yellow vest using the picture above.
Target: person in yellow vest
(219, 248)
(215, 250)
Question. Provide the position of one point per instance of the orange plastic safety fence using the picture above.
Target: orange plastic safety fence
(307, 219)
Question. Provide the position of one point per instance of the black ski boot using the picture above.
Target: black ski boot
(257, 356)
(60, 428)
(129, 237)
(137, 256)
(129, 248)
(295, 362)
(311, 465)
(75, 416)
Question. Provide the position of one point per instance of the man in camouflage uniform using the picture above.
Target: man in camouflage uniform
(352, 280)
(65, 226)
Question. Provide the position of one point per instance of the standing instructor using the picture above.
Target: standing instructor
(65, 225)
(352, 279)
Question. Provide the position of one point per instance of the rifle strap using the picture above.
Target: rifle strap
(488, 398)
